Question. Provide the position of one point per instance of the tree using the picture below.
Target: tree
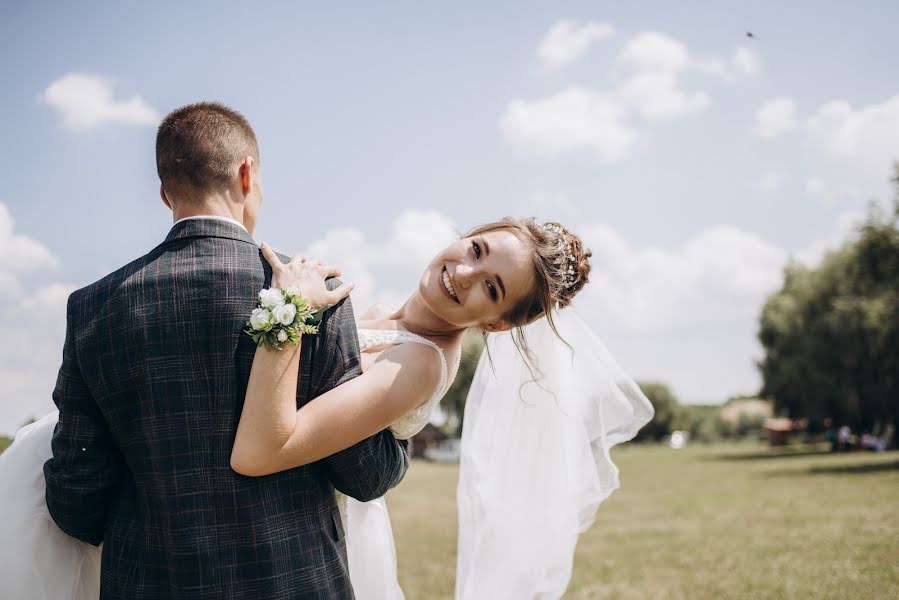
(453, 402)
(4, 443)
(831, 333)
(667, 411)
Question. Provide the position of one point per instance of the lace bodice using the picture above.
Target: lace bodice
(412, 422)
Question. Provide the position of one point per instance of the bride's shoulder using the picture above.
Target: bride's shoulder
(376, 312)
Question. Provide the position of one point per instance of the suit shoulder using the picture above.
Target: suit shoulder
(99, 289)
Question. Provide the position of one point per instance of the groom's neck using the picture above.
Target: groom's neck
(212, 206)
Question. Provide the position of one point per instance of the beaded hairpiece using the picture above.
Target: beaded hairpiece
(566, 260)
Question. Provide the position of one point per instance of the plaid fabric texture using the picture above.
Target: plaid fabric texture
(154, 373)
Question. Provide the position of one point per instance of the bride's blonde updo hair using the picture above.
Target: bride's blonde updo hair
(561, 268)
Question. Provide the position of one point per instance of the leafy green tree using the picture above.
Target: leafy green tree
(667, 408)
(831, 333)
(453, 402)
(4, 443)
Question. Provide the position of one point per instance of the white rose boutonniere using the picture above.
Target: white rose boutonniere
(285, 313)
(271, 298)
(261, 319)
(281, 317)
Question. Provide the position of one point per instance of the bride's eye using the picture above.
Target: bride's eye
(492, 289)
(477, 249)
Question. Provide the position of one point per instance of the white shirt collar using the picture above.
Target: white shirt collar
(212, 218)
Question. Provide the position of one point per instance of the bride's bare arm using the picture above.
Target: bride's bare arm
(274, 436)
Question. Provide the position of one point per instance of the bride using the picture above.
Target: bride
(546, 405)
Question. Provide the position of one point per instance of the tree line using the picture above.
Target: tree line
(831, 332)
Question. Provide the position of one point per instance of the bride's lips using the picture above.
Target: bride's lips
(442, 285)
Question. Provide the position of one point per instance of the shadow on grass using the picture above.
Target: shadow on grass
(773, 454)
(860, 469)
(855, 469)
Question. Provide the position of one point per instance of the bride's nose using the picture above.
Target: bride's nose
(463, 275)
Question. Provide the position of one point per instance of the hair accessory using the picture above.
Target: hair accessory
(566, 259)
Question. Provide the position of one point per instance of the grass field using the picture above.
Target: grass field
(706, 522)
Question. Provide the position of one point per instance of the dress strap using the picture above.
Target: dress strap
(370, 338)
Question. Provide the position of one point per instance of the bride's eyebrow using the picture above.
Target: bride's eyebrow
(502, 286)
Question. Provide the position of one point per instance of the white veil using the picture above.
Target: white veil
(535, 461)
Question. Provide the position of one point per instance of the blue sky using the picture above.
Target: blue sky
(694, 160)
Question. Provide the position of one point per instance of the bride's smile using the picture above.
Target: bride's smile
(448, 286)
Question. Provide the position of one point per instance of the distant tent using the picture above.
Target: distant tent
(780, 430)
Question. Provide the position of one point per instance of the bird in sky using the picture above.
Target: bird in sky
(750, 35)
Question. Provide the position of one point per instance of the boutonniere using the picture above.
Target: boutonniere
(281, 317)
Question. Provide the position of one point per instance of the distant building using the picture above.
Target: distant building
(753, 408)
(424, 439)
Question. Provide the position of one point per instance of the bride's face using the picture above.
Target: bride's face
(476, 280)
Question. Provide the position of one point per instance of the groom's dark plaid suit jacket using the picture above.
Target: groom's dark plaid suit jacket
(154, 372)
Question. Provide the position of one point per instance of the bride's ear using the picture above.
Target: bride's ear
(497, 326)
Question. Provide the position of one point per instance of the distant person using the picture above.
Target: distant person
(843, 438)
(831, 435)
(873, 443)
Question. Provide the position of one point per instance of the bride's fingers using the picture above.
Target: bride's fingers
(339, 293)
(270, 256)
(327, 271)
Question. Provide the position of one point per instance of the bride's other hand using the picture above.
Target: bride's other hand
(308, 276)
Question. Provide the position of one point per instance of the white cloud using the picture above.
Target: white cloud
(31, 354)
(655, 62)
(18, 254)
(33, 326)
(775, 117)
(86, 101)
(656, 95)
(850, 151)
(655, 51)
(715, 278)
(566, 41)
(386, 270)
(686, 314)
(745, 62)
(648, 73)
(771, 181)
(574, 119)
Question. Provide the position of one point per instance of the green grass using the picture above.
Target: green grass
(736, 521)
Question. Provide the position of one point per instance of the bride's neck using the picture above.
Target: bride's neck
(415, 316)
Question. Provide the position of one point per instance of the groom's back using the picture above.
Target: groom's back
(161, 347)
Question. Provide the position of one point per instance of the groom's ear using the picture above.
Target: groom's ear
(246, 174)
(164, 196)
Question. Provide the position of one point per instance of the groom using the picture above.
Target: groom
(154, 371)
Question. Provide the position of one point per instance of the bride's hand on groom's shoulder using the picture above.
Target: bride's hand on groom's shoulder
(307, 276)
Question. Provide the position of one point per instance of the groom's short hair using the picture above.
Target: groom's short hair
(198, 147)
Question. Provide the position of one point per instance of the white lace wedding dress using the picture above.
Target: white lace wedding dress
(39, 561)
